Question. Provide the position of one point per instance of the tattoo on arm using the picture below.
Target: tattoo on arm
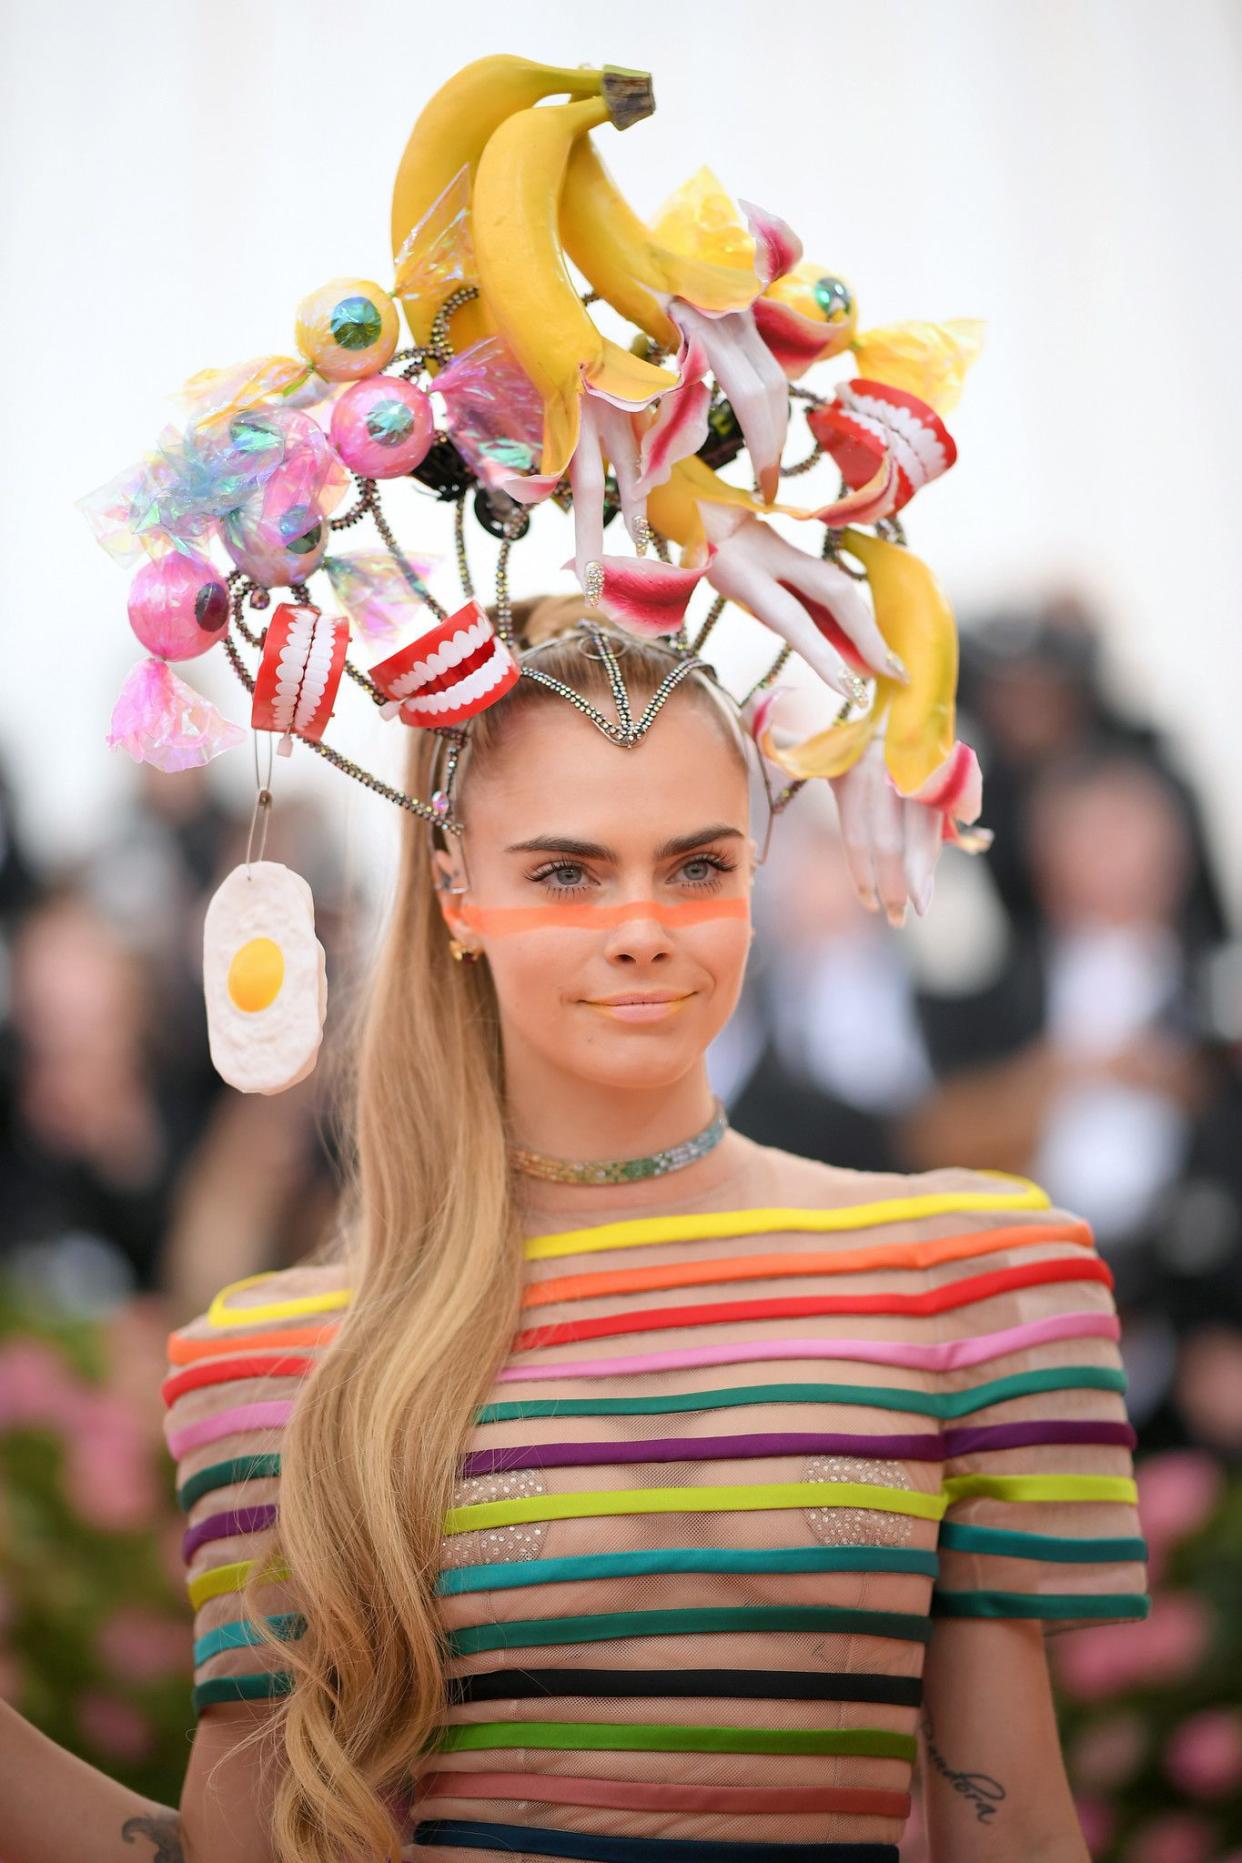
(164, 1831)
(981, 1790)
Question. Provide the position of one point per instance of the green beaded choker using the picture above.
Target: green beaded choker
(623, 1170)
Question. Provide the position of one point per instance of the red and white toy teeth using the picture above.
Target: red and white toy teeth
(869, 425)
(300, 673)
(459, 668)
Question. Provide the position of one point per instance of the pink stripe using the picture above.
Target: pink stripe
(660, 1795)
(229, 1423)
(949, 1356)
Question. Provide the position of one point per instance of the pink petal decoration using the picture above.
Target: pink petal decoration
(643, 594)
(796, 341)
(160, 720)
(777, 247)
(680, 425)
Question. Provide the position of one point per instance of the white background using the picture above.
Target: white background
(178, 175)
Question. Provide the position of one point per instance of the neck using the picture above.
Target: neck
(585, 1120)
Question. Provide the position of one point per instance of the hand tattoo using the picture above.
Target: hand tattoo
(984, 1792)
(164, 1830)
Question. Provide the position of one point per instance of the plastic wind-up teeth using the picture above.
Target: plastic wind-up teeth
(458, 669)
(300, 673)
(264, 978)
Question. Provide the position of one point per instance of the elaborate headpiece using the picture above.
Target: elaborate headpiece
(509, 397)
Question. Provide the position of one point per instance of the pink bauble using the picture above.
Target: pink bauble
(178, 606)
(275, 546)
(382, 427)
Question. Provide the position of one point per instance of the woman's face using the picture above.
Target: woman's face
(599, 873)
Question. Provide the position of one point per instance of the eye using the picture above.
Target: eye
(716, 864)
(544, 874)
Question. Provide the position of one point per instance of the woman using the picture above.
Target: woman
(652, 1519)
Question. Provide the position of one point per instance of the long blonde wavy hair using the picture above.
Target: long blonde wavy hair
(429, 1240)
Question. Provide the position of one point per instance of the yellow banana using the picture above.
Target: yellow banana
(454, 127)
(524, 283)
(917, 622)
(627, 265)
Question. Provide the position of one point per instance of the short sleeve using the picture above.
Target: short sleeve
(234, 1374)
(1041, 1509)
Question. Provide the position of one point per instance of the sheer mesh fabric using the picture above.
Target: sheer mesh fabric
(721, 1490)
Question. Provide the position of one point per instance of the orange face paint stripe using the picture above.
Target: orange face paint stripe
(773, 1267)
(581, 915)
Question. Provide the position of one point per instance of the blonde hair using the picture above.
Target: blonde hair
(431, 1241)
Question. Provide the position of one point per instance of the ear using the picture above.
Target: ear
(447, 872)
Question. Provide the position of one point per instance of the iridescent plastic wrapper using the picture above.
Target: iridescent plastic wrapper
(178, 494)
(493, 411)
(385, 601)
(280, 535)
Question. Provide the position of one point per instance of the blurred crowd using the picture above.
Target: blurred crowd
(1070, 1009)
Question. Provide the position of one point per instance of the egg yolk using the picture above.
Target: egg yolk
(256, 974)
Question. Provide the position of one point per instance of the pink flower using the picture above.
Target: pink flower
(1098, 1661)
(144, 1646)
(1204, 1755)
(1178, 1491)
(1177, 1837)
(114, 1727)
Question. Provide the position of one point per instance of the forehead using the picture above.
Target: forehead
(554, 769)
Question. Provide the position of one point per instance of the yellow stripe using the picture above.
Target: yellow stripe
(1042, 1487)
(223, 1578)
(714, 1224)
(745, 1499)
(219, 1314)
(708, 1226)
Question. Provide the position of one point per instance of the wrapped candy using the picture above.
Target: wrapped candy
(492, 410)
(384, 601)
(348, 328)
(280, 534)
(300, 673)
(382, 427)
(179, 605)
(459, 668)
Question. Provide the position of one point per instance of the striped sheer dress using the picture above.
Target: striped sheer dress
(764, 1422)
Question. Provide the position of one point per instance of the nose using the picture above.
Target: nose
(639, 937)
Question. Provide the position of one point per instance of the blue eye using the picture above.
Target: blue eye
(715, 863)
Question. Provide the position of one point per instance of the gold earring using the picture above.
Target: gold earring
(461, 951)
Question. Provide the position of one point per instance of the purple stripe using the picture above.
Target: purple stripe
(224, 1526)
(980, 1436)
(923, 1447)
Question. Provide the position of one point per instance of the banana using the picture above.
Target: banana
(627, 265)
(454, 127)
(524, 283)
(916, 620)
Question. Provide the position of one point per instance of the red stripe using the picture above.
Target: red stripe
(226, 1370)
(935, 1300)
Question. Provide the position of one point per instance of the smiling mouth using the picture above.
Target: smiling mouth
(640, 1008)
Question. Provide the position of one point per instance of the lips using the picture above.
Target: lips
(300, 672)
(459, 668)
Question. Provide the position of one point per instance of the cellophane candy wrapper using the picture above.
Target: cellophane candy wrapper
(437, 253)
(380, 599)
(492, 410)
(160, 720)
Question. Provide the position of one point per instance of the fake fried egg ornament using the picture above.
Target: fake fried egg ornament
(264, 978)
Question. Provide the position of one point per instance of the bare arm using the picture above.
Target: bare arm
(54, 1805)
(994, 1784)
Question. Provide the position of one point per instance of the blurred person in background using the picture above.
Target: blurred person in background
(827, 1044)
(1031, 693)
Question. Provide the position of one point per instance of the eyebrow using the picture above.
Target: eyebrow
(592, 850)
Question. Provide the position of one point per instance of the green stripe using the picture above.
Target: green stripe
(533, 1632)
(224, 1474)
(241, 1688)
(241, 1633)
(958, 1536)
(639, 1737)
(515, 1573)
(1109, 1604)
(946, 1404)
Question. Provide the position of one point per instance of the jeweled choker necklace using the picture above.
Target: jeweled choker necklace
(623, 1170)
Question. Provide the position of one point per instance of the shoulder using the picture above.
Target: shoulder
(234, 1369)
(949, 1190)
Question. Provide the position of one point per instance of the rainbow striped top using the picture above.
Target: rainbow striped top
(737, 1462)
